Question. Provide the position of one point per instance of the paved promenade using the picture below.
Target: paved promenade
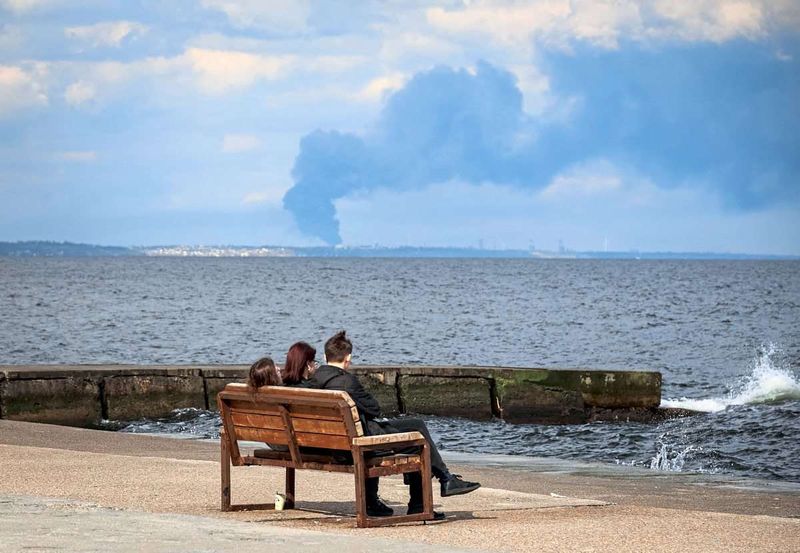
(72, 489)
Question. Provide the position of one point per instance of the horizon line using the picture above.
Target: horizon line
(531, 252)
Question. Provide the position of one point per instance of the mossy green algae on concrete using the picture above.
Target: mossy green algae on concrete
(621, 389)
(468, 397)
(539, 395)
(563, 395)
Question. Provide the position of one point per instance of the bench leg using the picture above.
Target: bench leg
(427, 485)
(289, 488)
(225, 474)
(361, 491)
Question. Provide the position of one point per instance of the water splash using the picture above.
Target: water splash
(185, 423)
(670, 458)
(769, 382)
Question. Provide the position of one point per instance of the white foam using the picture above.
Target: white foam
(663, 461)
(767, 383)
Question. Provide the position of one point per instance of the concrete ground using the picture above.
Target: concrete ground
(73, 489)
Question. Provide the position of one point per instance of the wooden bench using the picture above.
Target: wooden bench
(321, 430)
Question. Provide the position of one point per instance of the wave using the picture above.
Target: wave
(767, 383)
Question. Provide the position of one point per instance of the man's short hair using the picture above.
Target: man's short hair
(338, 347)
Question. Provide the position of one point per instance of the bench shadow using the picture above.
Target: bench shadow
(333, 511)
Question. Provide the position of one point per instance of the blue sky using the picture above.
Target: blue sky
(655, 125)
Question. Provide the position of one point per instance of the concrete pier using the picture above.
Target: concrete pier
(83, 395)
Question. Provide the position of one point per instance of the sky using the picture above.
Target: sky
(616, 125)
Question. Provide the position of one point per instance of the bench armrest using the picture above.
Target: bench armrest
(400, 438)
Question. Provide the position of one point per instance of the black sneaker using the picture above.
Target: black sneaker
(417, 509)
(456, 486)
(378, 508)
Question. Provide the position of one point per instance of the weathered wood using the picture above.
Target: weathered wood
(427, 490)
(385, 439)
(320, 419)
(225, 473)
(308, 411)
(294, 449)
(394, 469)
(304, 439)
(307, 465)
(360, 474)
(301, 424)
(289, 488)
(229, 432)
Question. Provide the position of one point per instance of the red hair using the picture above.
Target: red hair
(297, 359)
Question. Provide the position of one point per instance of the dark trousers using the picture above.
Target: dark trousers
(410, 424)
(413, 479)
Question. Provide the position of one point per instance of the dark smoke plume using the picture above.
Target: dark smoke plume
(720, 117)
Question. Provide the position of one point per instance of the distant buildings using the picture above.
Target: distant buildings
(217, 251)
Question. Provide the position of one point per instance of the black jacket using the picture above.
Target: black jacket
(328, 377)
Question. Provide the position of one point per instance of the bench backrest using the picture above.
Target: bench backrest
(294, 417)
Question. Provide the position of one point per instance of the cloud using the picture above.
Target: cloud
(719, 118)
(79, 93)
(237, 143)
(605, 24)
(277, 16)
(711, 20)
(592, 179)
(77, 156)
(20, 89)
(378, 88)
(211, 72)
(263, 197)
(24, 6)
(220, 71)
(510, 23)
(107, 33)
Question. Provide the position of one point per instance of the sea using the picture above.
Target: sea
(725, 334)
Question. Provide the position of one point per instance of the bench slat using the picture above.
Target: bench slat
(304, 439)
(315, 412)
(274, 422)
(324, 411)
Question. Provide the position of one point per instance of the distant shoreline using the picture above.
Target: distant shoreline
(70, 249)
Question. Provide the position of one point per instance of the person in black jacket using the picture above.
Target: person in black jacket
(334, 376)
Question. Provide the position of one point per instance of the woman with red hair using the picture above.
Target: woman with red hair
(300, 364)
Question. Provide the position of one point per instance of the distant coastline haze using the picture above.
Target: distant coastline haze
(69, 249)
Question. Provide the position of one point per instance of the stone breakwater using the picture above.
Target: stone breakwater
(83, 395)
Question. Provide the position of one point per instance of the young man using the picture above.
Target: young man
(334, 376)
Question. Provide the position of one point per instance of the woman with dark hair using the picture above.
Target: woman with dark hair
(263, 373)
(300, 364)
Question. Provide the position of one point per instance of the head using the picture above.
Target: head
(263, 373)
(300, 363)
(339, 349)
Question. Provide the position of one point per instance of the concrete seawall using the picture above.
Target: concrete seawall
(83, 395)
